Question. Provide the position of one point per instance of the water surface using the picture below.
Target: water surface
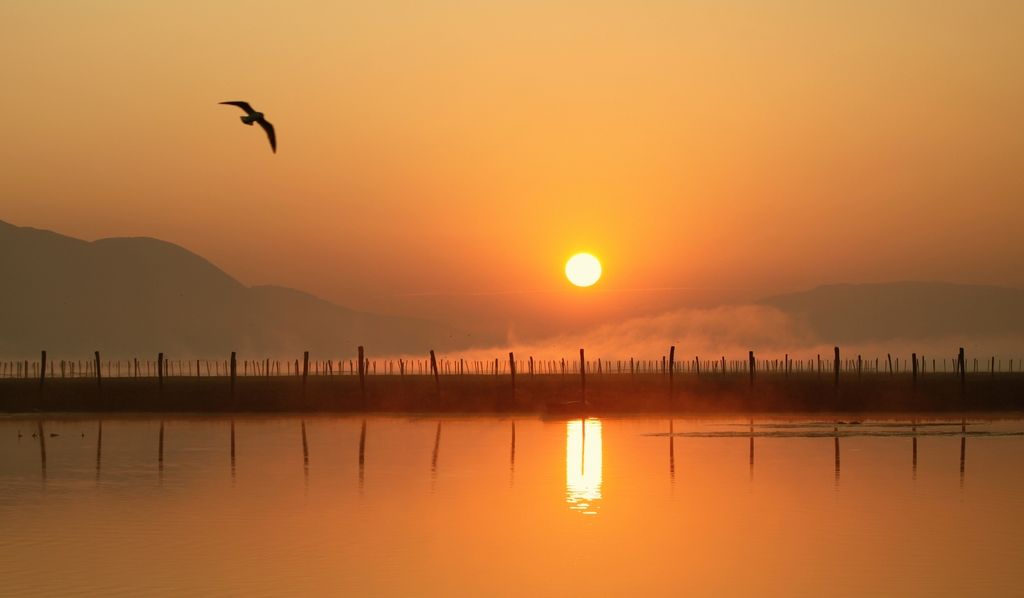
(386, 506)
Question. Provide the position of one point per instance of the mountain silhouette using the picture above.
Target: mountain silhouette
(857, 313)
(135, 297)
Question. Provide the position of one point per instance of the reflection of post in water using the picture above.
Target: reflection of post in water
(512, 459)
(963, 451)
(232, 449)
(362, 453)
(99, 448)
(583, 464)
(160, 453)
(671, 453)
(583, 445)
(837, 456)
(751, 450)
(914, 429)
(433, 458)
(305, 451)
(42, 448)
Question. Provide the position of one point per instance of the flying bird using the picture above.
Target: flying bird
(251, 116)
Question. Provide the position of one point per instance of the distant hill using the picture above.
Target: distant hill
(135, 297)
(849, 313)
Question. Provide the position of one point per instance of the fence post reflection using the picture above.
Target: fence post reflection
(160, 452)
(232, 450)
(914, 429)
(512, 459)
(305, 454)
(836, 430)
(362, 453)
(671, 453)
(963, 451)
(42, 448)
(433, 458)
(99, 448)
(751, 450)
(583, 464)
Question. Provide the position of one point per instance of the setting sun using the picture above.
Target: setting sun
(583, 270)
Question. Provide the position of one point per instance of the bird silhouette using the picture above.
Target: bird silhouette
(251, 116)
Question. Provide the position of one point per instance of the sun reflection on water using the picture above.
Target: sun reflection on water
(583, 465)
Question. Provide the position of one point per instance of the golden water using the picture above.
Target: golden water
(500, 507)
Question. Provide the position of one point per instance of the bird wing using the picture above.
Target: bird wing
(269, 128)
(243, 105)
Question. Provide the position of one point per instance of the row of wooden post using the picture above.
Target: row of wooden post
(163, 366)
(512, 369)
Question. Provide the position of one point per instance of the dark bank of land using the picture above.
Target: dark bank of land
(543, 393)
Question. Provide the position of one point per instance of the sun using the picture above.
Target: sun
(583, 269)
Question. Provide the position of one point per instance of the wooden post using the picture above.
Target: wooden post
(305, 369)
(232, 372)
(859, 365)
(583, 378)
(671, 371)
(531, 368)
(99, 384)
(753, 366)
(963, 372)
(362, 374)
(696, 359)
(160, 371)
(836, 367)
(512, 369)
(42, 373)
(433, 369)
(913, 356)
(889, 357)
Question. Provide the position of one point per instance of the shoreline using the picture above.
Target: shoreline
(607, 395)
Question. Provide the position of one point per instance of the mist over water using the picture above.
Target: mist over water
(732, 331)
(383, 506)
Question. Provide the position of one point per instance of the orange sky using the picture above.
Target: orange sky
(467, 147)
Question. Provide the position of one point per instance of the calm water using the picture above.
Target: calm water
(496, 507)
